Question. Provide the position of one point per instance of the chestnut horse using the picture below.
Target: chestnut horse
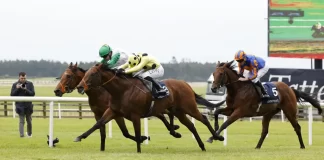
(99, 100)
(243, 100)
(132, 102)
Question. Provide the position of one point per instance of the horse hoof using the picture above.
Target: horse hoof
(177, 135)
(149, 138)
(220, 138)
(210, 140)
(78, 139)
(175, 127)
(302, 147)
(257, 148)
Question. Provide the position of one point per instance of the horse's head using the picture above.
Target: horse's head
(223, 75)
(94, 78)
(69, 79)
(313, 27)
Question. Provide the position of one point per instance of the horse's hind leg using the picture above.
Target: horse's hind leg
(170, 126)
(291, 116)
(122, 126)
(185, 121)
(265, 126)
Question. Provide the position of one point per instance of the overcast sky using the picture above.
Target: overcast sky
(74, 30)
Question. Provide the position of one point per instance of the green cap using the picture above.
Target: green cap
(104, 50)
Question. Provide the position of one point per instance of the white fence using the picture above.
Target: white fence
(74, 99)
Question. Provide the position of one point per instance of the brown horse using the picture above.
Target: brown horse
(243, 100)
(99, 100)
(132, 102)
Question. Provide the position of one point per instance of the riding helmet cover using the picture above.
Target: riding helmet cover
(104, 50)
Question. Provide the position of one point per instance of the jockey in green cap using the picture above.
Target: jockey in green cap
(112, 58)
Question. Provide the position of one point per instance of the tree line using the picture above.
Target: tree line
(183, 70)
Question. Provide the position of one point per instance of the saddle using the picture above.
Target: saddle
(154, 91)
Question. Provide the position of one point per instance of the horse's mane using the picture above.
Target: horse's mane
(75, 69)
(230, 66)
(113, 71)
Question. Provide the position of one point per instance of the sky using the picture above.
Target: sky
(74, 30)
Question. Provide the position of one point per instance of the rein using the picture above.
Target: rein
(86, 87)
(221, 83)
(63, 87)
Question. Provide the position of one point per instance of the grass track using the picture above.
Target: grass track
(281, 144)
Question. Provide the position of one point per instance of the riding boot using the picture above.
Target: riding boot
(157, 86)
(263, 91)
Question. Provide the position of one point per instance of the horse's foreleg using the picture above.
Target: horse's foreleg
(232, 118)
(107, 116)
(122, 126)
(224, 111)
(136, 119)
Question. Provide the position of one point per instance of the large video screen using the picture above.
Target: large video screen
(296, 28)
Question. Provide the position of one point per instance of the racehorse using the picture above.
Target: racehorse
(318, 33)
(99, 100)
(243, 100)
(132, 102)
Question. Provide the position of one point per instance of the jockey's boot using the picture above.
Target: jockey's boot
(263, 91)
(159, 89)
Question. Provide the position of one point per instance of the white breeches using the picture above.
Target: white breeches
(261, 73)
(154, 73)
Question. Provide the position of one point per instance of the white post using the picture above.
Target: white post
(146, 129)
(59, 110)
(13, 109)
(310, 121)
(250, 119)
(225, 132)
(193, 121)
(50, 144)
(282, 116)
(110, 129)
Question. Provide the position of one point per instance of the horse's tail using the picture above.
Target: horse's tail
(315, 103)
(202, 101)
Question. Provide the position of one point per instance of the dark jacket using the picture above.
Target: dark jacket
(29, 91)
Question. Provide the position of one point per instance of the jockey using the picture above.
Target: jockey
(318, 25)
(146, 67)
(112, 58)
(257, 67)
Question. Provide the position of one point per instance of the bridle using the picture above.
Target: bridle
(86, 86)
(221, 83)
(66, 87)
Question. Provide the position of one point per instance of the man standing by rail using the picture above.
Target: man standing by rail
(24, 109)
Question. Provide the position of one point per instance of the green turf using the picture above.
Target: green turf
(296, 38)
(313, 9)
(243, 136)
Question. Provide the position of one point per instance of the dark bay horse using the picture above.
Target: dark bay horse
(130, 101)
(243, 100)
(99, 100)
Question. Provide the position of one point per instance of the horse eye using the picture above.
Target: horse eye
(68, 76)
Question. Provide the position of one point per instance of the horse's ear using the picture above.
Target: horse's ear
(76, 64)
(71, 64)
(229, 63)
(218, 63)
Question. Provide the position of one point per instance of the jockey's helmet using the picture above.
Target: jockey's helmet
(133, 60)
(240, 55)
(104, 50)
